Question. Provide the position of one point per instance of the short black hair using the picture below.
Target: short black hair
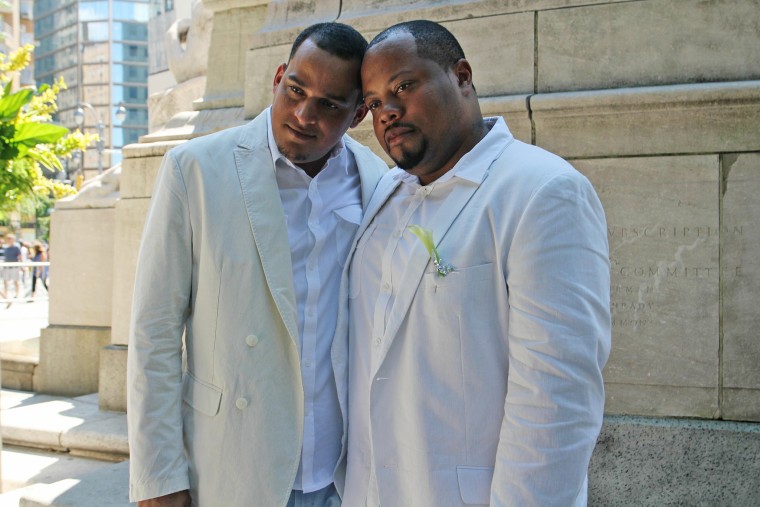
(337, 39)
(434, 42)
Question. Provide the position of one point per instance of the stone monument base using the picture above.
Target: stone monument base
(70, 359)
(112, 386)
(658, 461)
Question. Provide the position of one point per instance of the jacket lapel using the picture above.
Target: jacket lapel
(267, 218)
(384, 189)
(371, 169)
(420, 261)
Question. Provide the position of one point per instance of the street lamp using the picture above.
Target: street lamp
(79, 118)
(121, 113)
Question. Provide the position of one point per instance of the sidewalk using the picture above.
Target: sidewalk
(62, 451)
(21, 321)
(57, 451)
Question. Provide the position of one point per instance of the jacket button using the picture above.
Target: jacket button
(251, 340)
(241, 403)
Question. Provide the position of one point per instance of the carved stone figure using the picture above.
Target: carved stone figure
(187, 44)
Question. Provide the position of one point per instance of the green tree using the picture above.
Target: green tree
(28, 139)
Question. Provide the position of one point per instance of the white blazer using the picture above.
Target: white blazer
(489, 386)
(215, 264)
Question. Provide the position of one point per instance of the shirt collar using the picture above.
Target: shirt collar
(336, 152)
(474, 164)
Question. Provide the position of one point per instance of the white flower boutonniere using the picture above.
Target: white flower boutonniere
(426, 236)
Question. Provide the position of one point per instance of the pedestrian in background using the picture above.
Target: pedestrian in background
(39, 255)
(11, 274)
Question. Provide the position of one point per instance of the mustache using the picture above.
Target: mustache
(399, 124)
(302, 130)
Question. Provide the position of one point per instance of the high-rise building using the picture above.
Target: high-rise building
(100, 48)
(17, 29)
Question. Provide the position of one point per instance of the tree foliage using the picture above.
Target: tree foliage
(28, 139)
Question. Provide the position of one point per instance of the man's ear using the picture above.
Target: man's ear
(278, 76)
(463, 72)
(359, 114)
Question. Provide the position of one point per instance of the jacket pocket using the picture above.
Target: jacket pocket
(203, 397)
(475, 484)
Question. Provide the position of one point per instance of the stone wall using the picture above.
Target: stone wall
(658, 103)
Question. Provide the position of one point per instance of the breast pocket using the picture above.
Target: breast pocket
(348, 219)
(463, 285)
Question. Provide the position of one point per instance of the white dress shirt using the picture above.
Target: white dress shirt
(378, 270)
(322, 215)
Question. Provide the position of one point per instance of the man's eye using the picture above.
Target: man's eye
(328, 104)
(372, 105)
(295, 89)
(402, 87)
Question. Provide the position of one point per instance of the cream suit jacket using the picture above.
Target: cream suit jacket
(488, 387)
(225, 418)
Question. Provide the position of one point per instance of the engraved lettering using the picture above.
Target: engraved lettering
(666, 271)
(671, 231)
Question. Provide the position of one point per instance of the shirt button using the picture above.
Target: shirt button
(386, 287)
(396, 234)
(307, 363)
(241, 403)
(251, 340)
(378, 340)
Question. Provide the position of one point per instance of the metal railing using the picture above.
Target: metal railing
(25, 282)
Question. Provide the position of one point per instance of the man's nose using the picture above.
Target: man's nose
(389, 111)
(306, 112)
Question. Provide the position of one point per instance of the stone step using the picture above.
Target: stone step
(73, 425)
(18, 371)
(74, 428)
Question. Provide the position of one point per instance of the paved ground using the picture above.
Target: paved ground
(20, 325)
(22, 320)
(43, 423)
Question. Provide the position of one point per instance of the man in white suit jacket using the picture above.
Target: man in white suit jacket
(483, 384)
(243, 253)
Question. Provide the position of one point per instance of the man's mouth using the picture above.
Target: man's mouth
(301, 134)
(395, 134)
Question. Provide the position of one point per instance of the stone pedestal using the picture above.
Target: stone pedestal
(81, 274)
(663, 228)
(667, 137)
(740, 285)
(138, 175)
(656, 101)
(651, 462)
(70, 359)
(112, 385)
(18, 373)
